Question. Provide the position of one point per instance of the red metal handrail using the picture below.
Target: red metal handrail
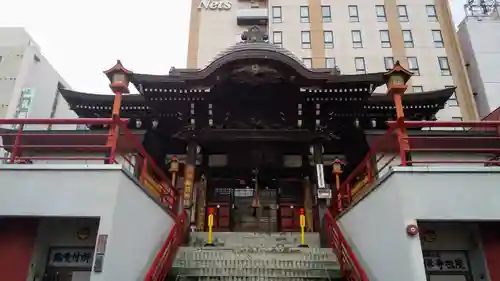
(168, 193)
(117, 144)
(393, 147)
(166, 255)
(350, 267)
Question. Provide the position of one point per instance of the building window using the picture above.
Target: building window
(82, 127)
(27, 92)
(327, 13)
(444, 66)
(1, 59)
(413, 65)
(330, 62)
(304, 14)
(24, 104)
(21, 114)
(385, 40)
(277, 17)
(453, 101)
(55, 102)
(328, 38)
(431, 12)
(278, 38)
(307, 62)
(380, 10)
(437, 37)
(408, 39)
(388, 63)
(357, 41)
(306, 39)
(417, 89)
(353, 13)
(359, 64)
(402, 13)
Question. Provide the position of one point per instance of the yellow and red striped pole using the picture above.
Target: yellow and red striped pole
(302, 228)
(210, 225)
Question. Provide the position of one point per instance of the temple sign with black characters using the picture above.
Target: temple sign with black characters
(255, 132)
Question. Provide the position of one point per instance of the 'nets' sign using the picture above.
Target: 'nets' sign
(215, 5)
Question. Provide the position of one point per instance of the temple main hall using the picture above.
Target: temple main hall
(255, 134)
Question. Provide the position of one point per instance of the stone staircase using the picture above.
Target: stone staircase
(242, 256)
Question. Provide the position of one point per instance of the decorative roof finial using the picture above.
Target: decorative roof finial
(254, 35)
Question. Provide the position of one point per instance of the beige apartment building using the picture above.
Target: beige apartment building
(357, 36)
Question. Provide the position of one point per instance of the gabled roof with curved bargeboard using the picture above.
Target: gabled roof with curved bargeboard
(256, 56)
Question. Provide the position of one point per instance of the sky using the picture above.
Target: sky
(83, 38)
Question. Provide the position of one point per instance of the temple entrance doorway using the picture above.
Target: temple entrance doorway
(247, 191)
(256, 204)
(255, 207)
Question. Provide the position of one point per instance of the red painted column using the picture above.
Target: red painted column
(17, 240)
(490, 235)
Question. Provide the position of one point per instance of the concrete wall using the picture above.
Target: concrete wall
(377, 223)
(138, 230)
(13, 42)
(135, 224)
(480, 42)
(218, 30)
(59, 190)
(22, 66)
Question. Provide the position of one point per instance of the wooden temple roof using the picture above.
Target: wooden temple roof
(254, 83)
(418, 105)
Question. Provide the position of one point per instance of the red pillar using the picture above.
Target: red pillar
(17, 240)
(490, 235)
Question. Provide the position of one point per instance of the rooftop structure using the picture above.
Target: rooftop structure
(478, 35)
(28, 82)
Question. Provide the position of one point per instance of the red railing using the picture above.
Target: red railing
(350, 268)
(480, 142)
(35, 141)
(459, 143)
(165, 257)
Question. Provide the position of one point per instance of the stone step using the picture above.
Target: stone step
(254, 239)
(315, 263)
(258, 273)
(207, 278)
(229, 254)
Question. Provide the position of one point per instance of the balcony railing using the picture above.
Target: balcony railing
(23, 142)
(477, 143)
